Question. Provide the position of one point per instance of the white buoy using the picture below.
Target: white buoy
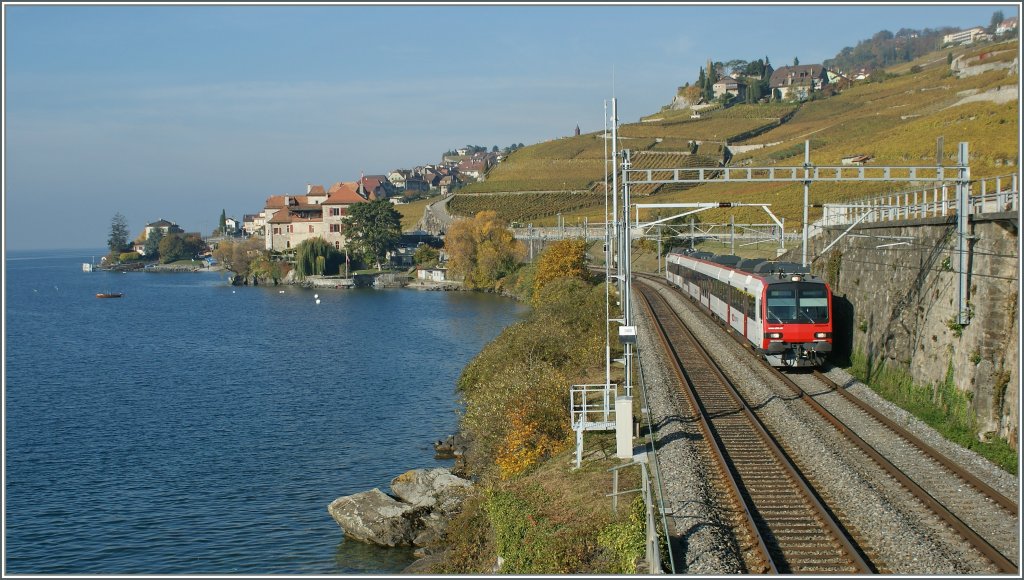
(232, 291)
(316, 296)
(280, 291)
(318, 301)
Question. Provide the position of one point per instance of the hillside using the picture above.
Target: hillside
(896, 120)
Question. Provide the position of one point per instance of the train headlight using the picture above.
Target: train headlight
(774, 335)
(822, 335)
(796, 278)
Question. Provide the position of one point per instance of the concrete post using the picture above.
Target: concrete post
(624, 427)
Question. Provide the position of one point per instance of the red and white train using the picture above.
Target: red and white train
(779, 307)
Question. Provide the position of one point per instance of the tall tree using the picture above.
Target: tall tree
(373, 229)
(997, 19)
(482, 250)
(562, 259)
(152, 246)
(315, 257)
(238, 256)
(223, 224)
(117, 241)
(172, 248)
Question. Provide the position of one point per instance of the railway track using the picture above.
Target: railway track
(788, 529)
(941, 485)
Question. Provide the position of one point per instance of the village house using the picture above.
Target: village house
(164, 226)
(253, 224)
(398, 177)
(837, 79)
(167, 227)
(292, 219)
(431, 274)
(797, 81)
(731, 86)
(378, 185)
(416, 182)
(231, 226)
(969, 36)
(473, 168)
(1006, 26)
(447, 184)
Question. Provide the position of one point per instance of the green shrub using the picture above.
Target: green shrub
(627, 540)
(129, 256)
(942, 406)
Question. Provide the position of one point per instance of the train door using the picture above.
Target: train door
(755, 328)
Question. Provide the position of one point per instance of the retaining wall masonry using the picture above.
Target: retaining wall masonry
(898, 305)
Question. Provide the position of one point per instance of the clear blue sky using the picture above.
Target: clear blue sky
(180, 111)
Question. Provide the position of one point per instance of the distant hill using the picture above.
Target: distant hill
(965, 94)
(885, 49)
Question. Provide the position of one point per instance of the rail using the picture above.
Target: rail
(746, 444)
(953, 521)
(655, 468)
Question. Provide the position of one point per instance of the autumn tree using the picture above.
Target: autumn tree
(562, 259)
(176, 246)
(239, 256)
(482, 250)
(426, 256)
(373, 229)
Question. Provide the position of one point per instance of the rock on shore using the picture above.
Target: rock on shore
(419, 515)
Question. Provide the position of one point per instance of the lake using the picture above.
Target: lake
(195, 427)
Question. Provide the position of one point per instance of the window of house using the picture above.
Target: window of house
(335, 228)
(288, 244)
(289, 228)
(335, 211)
(310, 228)
(277, 231)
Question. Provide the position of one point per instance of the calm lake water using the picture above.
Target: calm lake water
(192, 427)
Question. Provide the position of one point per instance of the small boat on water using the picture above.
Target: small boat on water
(109, 295)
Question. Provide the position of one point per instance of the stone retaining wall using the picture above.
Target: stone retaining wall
(898, 304)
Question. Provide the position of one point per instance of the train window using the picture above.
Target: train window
(799, 303)
(813, 303)
(781, 303)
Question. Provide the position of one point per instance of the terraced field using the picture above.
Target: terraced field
(526, 207)
(897, 121)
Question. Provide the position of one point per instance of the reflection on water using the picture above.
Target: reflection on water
(353, 557)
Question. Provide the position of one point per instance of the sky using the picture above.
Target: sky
(180, 111)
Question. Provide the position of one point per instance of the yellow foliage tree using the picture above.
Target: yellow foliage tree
(482, 250)
(562, 259)
(524, 445)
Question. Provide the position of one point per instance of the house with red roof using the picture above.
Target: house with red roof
(378, 185)
(292, 219)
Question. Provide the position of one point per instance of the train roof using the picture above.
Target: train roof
(758, 266)
(748, 264)
(727, 260)
(781, 268)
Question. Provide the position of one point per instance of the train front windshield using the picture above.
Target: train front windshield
(797, 303)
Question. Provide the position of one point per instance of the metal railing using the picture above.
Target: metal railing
(651, 488)
(591, 407)
(652, 543)
(998, 194)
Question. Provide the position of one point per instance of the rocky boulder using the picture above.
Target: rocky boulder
(436, 489)
(375, 517)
